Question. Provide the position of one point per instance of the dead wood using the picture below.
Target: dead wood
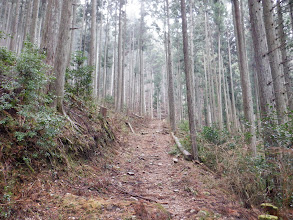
(186, 154)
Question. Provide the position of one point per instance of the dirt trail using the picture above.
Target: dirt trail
(184, 189)
(140, 182)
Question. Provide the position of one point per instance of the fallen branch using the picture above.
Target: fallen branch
(134, 195)
(138, 116)
(128, 123)
(186, 154)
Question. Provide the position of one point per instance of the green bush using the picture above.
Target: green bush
(214, 135)
(79, 78)
(25, 113)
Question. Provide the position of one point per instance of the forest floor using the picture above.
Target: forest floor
(141, 181)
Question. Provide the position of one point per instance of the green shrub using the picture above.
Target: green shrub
(214, 135)
(79, 78)
(25, 114)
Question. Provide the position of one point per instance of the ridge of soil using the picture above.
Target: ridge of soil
(141, 181)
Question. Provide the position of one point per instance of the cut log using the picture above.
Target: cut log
(186, 154)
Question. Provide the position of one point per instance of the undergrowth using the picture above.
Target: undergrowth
(254, 179)
(33, 136)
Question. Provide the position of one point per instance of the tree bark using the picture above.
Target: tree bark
(234, 115)
(34, 23)
(285, 59)
(120, 83)
(93, 48)
(244, 74)
(72, 38)
(47, 41)
(170, 74)
(14, 33)
(189, 82)
(141, 67)
(61, 54)
(266, 90)
(275, 62)
(28, 19)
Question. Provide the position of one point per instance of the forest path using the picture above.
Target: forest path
(184, 189)
(139, 181)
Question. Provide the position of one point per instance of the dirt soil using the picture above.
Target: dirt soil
(142, 181)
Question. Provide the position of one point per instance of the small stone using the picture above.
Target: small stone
(130, 173)
(175, 160)
(176, 190)
(160, 164)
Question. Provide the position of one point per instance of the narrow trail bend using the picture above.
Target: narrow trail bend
(146, 172)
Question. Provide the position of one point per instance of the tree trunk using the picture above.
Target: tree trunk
(141, 67)
(244, 74)
(14, 33)
(33, 27)
(189, 82)
(120, 84)
(28, 19)
(195, 90)
(285, 60)
(105, 61)
(61, 54)
(275, 62)
(72, 38)
(82, 27)
(47, 41)
(170, 74)
(266, 90)
(234, 115)
(93, 45)
(219, 85)
(207, 73)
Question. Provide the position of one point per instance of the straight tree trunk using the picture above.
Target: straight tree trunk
(244, 74)
(61, 54)
(275, 62)
(234, 115)
(33, 27)
(266, 89)
(189, 82)
(93, 45)
(225, 98)
(120, 83)
(207, 73)
(195, 95)
(219, 82)
(28, 19)
(14, 33)
(105, 60)
(141, 66)
(99, 57)
(170, 74)
(285, 60)
(72, 38)
(82, 27)
(47, 41)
